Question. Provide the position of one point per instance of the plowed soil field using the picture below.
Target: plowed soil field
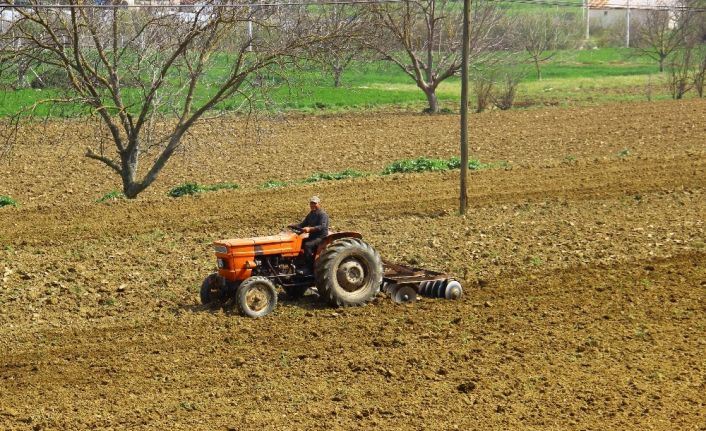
(583, 260)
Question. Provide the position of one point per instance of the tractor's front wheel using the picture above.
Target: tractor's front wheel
(256, 297)
(348, 272)
(212, 293)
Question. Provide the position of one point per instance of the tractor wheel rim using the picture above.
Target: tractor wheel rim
(351, 275)
(257, 299)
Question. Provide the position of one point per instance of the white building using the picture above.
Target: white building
(610, 13)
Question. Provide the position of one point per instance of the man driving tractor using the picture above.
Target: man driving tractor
(316, 225)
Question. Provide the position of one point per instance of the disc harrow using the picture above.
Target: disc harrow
(403, 283)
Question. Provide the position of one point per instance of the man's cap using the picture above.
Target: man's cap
(315, 199)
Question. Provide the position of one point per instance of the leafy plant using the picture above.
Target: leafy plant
(430, 165)
(221, 186)
(193, 188)
(273, 184)
(109, 302)
(188, 406)
(284, 359)
(324, 176)
(536, 261)
(111, 196)
(420, 164)
(185, 189)
(473, 164)
(7, 201)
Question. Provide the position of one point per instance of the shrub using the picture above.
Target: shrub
(484, 91)
(111, 196)
(6, 201)
(52, 78)
(504, 98)
(324, 176)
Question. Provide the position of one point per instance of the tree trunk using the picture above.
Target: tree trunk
(127, 172)
(539, 70)
(661, 64)
(432, 100)
(337, 72)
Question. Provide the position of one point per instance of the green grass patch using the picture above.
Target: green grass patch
(324, 176)
(623, 153)
(111, 196)
(7, 201)
(186, 189)
(571, 76)
(273, 184)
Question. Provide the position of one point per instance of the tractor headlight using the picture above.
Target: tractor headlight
(221, 263)
(222, 249)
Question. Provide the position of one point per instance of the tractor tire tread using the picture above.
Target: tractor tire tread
(242, 290)
(325, 283)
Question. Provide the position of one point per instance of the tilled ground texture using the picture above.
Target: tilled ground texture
(583, 262)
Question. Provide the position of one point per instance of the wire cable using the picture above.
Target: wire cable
(557, 3)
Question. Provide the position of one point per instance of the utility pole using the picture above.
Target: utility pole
(627, 26)
(588, 19)
(464, 105)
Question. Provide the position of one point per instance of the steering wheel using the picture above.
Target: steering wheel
(295, 229)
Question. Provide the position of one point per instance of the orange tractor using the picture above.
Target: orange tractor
(347, 272)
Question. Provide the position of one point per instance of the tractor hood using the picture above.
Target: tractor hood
(260, 240)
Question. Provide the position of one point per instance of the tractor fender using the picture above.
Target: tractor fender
(333, 237)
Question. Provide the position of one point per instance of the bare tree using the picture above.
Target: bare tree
(541, 35)
(149, 74)
(504, 96)
(423, 38)
(680, 73)
(337, 54)
(700, 74)
(664, 30)
(698, 42)
(687, 64)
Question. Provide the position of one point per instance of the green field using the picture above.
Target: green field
(570, 77)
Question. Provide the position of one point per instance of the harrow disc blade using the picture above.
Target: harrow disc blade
(453, 290)
(403, 294)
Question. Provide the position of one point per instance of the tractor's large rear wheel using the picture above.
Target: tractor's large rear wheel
(256, 297)
(348, 273)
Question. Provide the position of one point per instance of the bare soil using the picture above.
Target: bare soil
(583, 262)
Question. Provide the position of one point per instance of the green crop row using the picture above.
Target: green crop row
(193, 188)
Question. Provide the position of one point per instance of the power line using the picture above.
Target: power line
(607, 5)
(193, 6)
(556, 3)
